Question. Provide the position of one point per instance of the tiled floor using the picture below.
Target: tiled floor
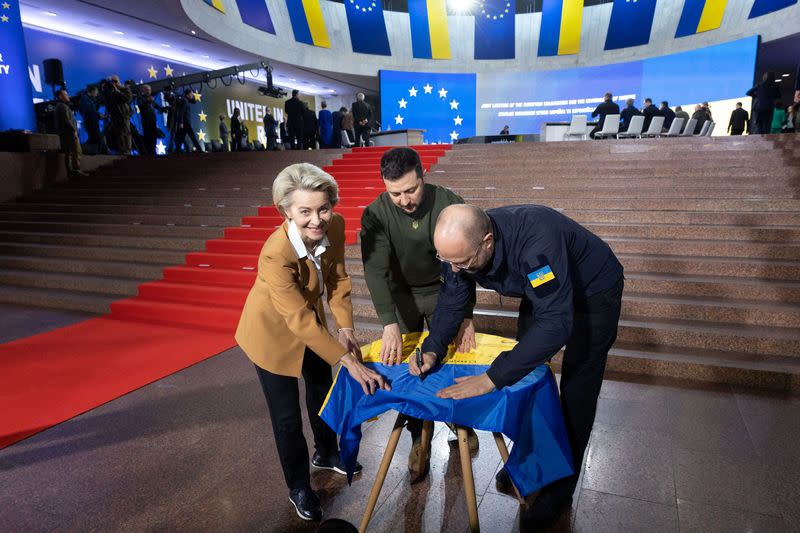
(195, 452)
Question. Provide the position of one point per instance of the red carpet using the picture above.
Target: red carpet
(186, 317)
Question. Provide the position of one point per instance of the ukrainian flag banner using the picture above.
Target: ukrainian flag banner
(430, 38)
(255, 13)
(494, 29)
(528, 412)
(216, 4)
(762, 7)
(307, 22)
(631, 22)
(560, 32)
(367, 27)
(699, 16)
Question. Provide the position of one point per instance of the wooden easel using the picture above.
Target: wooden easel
(466, 469)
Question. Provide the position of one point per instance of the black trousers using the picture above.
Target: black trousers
(295, 132)
(736, 131)
(362, 135)
(283, 401)
(764, 121)
(594, 330)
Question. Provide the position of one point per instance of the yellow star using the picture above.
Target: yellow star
(6, 5)
(201, 135)
(4, 18)
(202, 116)
(198, 97)
(168, 70)
(152, 71)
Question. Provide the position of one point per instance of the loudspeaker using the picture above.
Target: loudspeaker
(53, 72)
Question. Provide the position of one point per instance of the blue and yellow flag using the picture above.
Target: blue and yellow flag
(631, 22)
(430, 38)
(255, 13)
(699, 16)
(762, 7)
(528, 412)
(16, 110)
(494, 29)
(367, 27)
(307, 22)
(216, 4)
(560, 32)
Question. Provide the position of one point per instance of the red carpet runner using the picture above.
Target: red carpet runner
(187, 317)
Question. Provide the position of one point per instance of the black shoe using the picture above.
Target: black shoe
(306, 504)
(503, 482)
(334, 463)
(548, 508)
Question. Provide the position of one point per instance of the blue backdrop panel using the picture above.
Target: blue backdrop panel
(494, 29)
(441, 104)
(16, 106)
(630, 24)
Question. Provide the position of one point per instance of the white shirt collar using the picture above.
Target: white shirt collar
(300, 247)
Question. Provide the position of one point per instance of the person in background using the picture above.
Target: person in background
(792, 119)
(325, 126)
(778, 117)
(224, 134)
(680, 113)
(347, 124)
(649, 111)
(294, 110)
(700, 116)
(118, 107)
(362, 118)
(284, 135)
(336, 125)
(96, 142)
(505, 130)
(184, 120)
(628, 113)
(283, 328)
(707, 111)
(605, 108)
(67, 129)
(236, 130)
(147, 109)
(667, 113)
(740, 121)
(765, 93)
(310, 127)
(271, 130)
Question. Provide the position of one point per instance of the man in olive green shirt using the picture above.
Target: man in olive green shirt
(401, 268)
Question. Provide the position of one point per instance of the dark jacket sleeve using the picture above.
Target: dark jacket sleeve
(451, 310)
(552, 313)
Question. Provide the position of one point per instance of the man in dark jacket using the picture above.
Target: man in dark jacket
(294, 122)
(628, 113)
(270, 129)
(649, 111)
(118, 106)
(667, 113)
(336, 139)
(309, 128)
(740, 121)
(607, 107)
(147, 109)
(96, 142)
(700, 117)
(362, 117)
(184, 121)
(765, 94)
(68, 133)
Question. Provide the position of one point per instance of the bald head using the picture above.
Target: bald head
(460, 229)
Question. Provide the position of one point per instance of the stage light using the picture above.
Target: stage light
(117, 32)
(50, 14)
(461, 7)
(785, 75)
(165, 45)
(194, 32)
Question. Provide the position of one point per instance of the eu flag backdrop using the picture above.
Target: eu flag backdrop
(631, 22)
(494, 29)
(441, 104)
(367, 27)
(762, 7)
(16, 100)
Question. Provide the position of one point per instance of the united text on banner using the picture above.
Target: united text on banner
(699, 16)
(560, 32)
(430, 38)
(631, 22)
(216, 4)
(255, 13)
(762, 7)
(16, 100)
(367, 27)
(494, 29)
(307, 22)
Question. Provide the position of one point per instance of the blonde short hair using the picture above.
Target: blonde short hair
(303, 177)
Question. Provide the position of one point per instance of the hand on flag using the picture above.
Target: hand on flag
(468, 387)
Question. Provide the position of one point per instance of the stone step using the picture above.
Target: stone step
(112, 208)
(543, 191)
(761, 234)
(83, 239)
(46, 196)
(56, 299)
(572, 179)
(112, 269)
(177, 220)
(141, 230)
(100, 253)
(706, 248)
(499, 198)
(687, 218)
(120, 287)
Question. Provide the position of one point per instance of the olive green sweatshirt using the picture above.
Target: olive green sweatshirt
(397, 248)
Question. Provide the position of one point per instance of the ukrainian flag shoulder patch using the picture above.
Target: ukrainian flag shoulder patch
(541, 276)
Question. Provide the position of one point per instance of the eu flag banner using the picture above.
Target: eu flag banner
(441, 104)
(367, 27)
(16, 100)
(762, 7)
(560, 32)
(631, 22)
(494, 29)
(528, 412)
(255, 13)
(430, 38)
(216, 4)
(699, 16)
(307, 22)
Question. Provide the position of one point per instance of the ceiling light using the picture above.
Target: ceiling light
(206, 56)
(292, 79)
(50, 14)
(117, 32)
(779, 80)
(460, 6)
(785, 75)
(194, 32)
(165, 45)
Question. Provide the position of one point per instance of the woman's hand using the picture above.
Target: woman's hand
(369, 380)
(347, 338)
(391, 345)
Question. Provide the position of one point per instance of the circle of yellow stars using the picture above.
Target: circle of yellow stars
(370, 7)
(152, 73)
(498, 16)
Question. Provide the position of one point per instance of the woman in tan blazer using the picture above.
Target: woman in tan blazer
(283, 328)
